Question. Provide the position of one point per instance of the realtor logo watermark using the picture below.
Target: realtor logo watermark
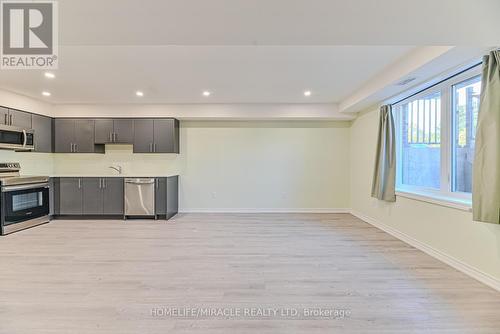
(29, 33)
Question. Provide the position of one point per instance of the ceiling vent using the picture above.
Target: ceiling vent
(405, 81)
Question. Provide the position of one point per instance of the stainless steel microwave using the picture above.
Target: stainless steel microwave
(18, 139)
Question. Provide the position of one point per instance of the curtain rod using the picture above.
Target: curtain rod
(437, 83)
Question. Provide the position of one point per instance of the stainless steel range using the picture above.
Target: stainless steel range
(24, 200)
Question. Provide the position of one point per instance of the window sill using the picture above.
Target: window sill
(455, 203)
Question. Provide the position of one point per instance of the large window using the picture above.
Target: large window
(436, 137)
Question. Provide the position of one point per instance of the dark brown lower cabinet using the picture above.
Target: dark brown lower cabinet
(91, 196)
(172, 196)
(166, 196)
(161, 196)
(68, 196)
(112, 196)
(103, 196)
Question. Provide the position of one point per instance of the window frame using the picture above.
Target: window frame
(453, 134)
(443, 195)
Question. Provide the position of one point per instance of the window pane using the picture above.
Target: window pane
(465, 112)
(421, 141)
(27, 201)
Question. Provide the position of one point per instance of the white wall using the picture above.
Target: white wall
(447, 230)
(265, 165)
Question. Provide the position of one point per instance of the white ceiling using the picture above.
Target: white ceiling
(179, 74)
(279, 22)
(245, 51)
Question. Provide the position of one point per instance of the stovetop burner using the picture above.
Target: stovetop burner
(9, 175)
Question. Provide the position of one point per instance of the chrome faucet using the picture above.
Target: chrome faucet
(118, 168)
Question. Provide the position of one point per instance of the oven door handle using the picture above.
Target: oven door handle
(24, 187)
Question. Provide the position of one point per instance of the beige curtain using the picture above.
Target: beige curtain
(486, 178)
(384, 176)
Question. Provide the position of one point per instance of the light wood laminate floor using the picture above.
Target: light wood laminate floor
(112, 276)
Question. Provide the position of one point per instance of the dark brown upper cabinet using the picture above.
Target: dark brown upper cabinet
(114, 131)
(74, 135)
(17, 118)
(160, 135)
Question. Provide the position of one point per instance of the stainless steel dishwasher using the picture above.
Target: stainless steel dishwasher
(140, 197)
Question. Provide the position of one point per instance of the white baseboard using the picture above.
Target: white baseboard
(266, 210)
(443, 257)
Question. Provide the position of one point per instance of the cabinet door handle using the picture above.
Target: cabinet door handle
(104, 183)
(150, 147)
(100, 183)
(157, 183)
(154, 147)
(79, 183)
(6, 122)
(10, 119)
(71, 147)
(110, 136)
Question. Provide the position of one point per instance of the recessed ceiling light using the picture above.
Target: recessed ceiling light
(50, 75)
(45, 93)
(139, 93)
(307, 93)
(206, 93)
